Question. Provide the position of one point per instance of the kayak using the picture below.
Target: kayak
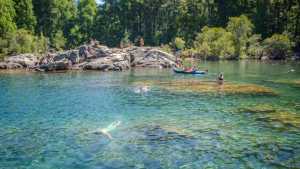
(176, 70)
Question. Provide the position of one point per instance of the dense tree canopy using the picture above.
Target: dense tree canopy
(68, 23)
(25, 17)
(241, 28)
(7, 15)
(87, 10)
(215, 43)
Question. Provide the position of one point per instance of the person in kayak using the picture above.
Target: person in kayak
(220, 78)
(178, 64)
(191, 69)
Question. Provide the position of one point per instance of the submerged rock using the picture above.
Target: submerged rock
(282, 156)
(272, 115)
(295, 83)
(209, 87)
(153, 133)
(283, 117)
(260, 108)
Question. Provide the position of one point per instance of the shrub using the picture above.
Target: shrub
(125, 41)
(166, 48)
(59, 41)
(214, 43)
(22, 41)
(279, 46)
(179, 43)
(187, 53)
(255, 49)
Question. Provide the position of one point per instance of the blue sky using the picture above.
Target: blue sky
(99, 1)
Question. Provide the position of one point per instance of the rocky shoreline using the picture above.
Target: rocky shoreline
(92, 56)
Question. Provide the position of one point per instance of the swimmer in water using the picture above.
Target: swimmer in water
(142, 89)
(220, 78)
(105, 131)
(145, 88)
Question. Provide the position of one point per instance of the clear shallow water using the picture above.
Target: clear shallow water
(47, 120)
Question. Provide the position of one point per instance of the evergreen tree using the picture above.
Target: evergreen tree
(7, 14)
(25, 17)
(241, 28)
(42, 13)
(68, 23)
(87, 10)
(55, 18)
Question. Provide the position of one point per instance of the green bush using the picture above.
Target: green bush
(254, 49)
(58, 41)
(7, 15)
(125, 41)
(214, 43)
(279, 46)
(22, 41)
(179, 43)
(241, 28)
(166, 48)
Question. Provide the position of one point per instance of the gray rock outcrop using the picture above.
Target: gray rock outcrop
(150, 57)
(93, 57)
(20, 61)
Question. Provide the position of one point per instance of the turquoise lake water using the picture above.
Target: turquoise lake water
(47, 120)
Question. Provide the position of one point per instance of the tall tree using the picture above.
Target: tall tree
(54, 17)
(42, 12)
(194, 15)
(25, 17)
(7, 14)
(108, 27)
(87, 10)
(241, 28)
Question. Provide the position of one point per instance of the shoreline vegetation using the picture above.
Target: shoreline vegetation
(188, 29)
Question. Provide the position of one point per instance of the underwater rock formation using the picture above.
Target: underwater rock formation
(272, 114)
(208, 87)
(295, 83)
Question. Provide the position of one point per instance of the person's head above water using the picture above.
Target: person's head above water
(221, 76)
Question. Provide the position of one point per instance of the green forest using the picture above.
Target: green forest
(221, 29)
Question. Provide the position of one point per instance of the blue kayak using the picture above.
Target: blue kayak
(177, 70)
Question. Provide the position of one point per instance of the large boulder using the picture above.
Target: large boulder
(72, 55)
(150, 57)
(98, 65)
(48, 58)
(26, 60)
(93, 51)
(3, 65)
(55, 66)
(10, 65)
(116, 62)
